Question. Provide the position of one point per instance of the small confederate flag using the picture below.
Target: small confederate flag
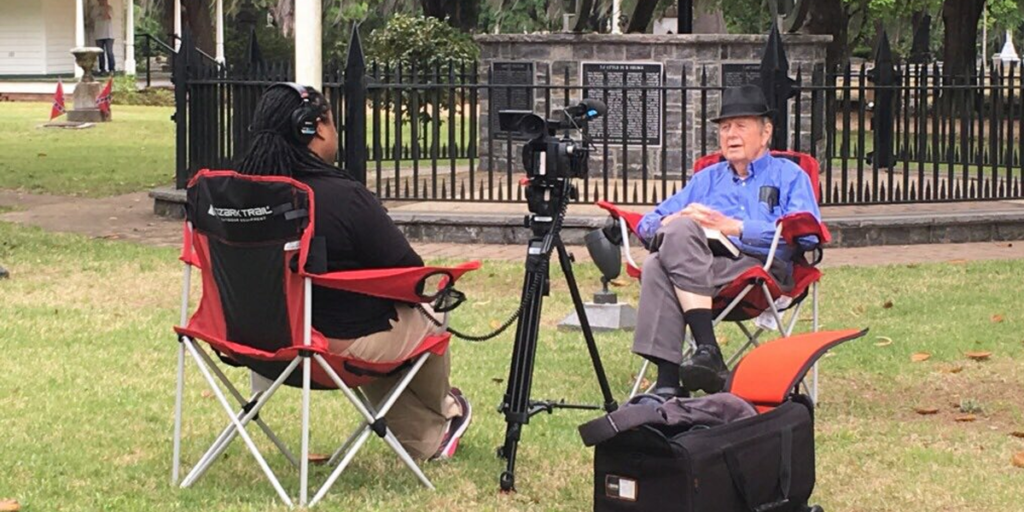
(103, 100)
(58, 102)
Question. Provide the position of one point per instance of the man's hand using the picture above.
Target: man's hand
(710, 218)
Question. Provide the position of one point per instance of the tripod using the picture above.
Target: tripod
(516, 405)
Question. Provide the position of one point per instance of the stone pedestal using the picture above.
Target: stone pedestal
(87, 90)
(604, 314)
(85, 110)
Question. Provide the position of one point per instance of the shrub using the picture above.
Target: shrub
(126, 92)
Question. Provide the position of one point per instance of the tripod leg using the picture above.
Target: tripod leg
(588, 334)
(516, 403)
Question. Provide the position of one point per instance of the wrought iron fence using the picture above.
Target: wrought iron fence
(892, 134)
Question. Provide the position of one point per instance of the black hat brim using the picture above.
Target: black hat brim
(742, 112)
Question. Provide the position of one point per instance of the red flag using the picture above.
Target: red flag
(58, 102)
(103, 100)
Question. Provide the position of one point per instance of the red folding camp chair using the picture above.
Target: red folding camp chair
(251, 238)
(754, 295)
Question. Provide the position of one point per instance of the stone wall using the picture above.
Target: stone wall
(557, 57)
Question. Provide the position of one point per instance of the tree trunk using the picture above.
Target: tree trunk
(433, 8)
(461, 14)
(195, 14)
(960, 19)
(585, 19)
(829, 17)
(643, 13)
(707, 19)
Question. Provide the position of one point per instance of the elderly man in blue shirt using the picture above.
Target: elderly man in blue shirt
(742, 197)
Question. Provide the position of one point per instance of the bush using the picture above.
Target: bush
(427, 42)
(431, 45)
(126, 92)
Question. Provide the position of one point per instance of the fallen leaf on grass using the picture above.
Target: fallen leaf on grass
(644, 383)
(1018, 434)
(495, 324)
(618, 282)
(887, 305)
(952, 369)
(1018, 460)
(9, 506)
(966, 418)
(925, 411)
(206, 393)
(978, 356)
(997, 319)
(920, 357)
(318, 459)
(885, 341)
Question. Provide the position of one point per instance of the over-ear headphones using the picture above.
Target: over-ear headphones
(304, 118)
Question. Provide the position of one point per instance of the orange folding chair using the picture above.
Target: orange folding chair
(251, 239)
(754, 295)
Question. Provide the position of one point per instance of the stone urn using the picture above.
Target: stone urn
(87, 89)
(85, 57)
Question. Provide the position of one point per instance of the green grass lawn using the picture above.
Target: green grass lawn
(133, 152)
(88, 391)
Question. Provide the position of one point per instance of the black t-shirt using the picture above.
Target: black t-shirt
(359, 235)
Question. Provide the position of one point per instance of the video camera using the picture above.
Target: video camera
(563, 158)
(548, 159)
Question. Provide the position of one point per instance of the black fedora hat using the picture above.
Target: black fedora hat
(742, 101)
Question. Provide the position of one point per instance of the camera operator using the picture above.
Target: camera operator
(294, 135)
(742, 197)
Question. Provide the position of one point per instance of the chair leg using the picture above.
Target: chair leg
(243, 401)
(370, 416)
(238, 424)
(179, 391)
(639, 378)
(304, 461)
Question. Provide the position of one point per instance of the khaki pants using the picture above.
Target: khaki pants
(419, 416)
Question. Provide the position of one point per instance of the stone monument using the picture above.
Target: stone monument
(85, 108)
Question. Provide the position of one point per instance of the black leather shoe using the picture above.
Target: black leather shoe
(705, 371)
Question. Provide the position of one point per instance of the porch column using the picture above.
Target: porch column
(79, 31)
(129, 38)
(308, 34)
(616, 14)
(220, 31)
(177, 24)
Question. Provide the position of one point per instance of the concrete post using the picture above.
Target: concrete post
(129, 38)
(79, 31)
(220, 31)
(308, 36)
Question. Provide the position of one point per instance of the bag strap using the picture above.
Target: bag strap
(739, 481)
(608, 426)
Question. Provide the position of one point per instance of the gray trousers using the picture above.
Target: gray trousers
(684, 261)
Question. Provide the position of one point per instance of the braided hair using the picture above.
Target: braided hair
(273, 150)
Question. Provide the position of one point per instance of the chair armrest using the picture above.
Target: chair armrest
(399, 284)
(188, 254)
(631, 218)
(800, 224)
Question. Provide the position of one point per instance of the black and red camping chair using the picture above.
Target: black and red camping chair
(754, 295)
(251, 239)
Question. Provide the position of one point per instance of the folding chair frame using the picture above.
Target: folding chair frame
(372, 416)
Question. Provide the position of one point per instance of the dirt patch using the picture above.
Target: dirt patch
(127, 217)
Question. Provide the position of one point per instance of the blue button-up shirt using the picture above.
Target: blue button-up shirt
(720, 188)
